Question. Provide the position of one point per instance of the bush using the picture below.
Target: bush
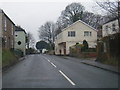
(18, 52)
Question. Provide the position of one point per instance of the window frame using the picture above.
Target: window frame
(71, 33)
(87, 33)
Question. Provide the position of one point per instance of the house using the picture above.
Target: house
(75, 33)
(110, 27)
(20, 39)
(7, 28)
(108, 46)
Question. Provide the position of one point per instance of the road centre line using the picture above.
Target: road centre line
(53, 64)
(67, 78)
(50, 62)
(46, 59)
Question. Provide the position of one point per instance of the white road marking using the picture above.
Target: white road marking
(48, 60)
(53, 64)
(67, 78)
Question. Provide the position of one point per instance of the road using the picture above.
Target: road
(49, 71)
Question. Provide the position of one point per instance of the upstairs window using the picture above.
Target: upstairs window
(113, 27)
(71, 33)
(106, 28)
(87, 33)
(12, 29)
(5, 24)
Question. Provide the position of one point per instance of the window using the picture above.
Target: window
(5, 24)
(87, 33)
(106, 28)
(90, 33)
(71, 33)
(113, 27)
(12, 32)
(5, 39)
(19, 42)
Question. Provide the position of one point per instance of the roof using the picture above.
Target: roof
(1, 11)
(17, 28)
(82, 23)
(113, 19)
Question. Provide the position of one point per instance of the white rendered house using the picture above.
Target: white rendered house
(110, 27)
(20, 39)
(75, 33)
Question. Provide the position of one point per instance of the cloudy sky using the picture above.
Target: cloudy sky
(31, 14)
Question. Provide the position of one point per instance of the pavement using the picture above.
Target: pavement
(50, 71)
(94, 63)
(102, 66)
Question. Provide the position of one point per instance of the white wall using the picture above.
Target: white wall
(109, 31)
(20, 37)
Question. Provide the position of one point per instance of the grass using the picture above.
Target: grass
(8, 57)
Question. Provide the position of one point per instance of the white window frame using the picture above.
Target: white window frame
(87, 33)
(71, 33)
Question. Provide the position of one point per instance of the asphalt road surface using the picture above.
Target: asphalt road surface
(49, 71)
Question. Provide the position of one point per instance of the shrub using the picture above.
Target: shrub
(85, 45)
(18, 52)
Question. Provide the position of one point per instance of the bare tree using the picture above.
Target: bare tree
(111, 7)
(30, 40)
(94, 20)
(47, 32)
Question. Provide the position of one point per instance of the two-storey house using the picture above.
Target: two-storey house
(7, 28)
(75, 33)
(110, 27)
(20, 39)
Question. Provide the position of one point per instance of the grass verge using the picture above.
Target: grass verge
(8, 58)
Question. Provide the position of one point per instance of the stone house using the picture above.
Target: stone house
(7, 29)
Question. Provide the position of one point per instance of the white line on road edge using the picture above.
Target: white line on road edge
(53, 64)
(66, 77)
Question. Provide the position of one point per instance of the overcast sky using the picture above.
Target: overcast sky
(30, 15)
